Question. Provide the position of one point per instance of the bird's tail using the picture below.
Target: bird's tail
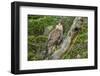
(46, 50)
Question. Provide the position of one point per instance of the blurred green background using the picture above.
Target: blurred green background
(40, 26)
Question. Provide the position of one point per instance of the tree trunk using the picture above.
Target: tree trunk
(68, 40)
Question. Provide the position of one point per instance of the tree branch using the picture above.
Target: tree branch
(68, 40)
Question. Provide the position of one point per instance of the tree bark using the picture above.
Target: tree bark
(68, 40)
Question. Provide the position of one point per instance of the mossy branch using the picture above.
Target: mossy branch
(68, 40)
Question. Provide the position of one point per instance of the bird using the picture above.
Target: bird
(54, 38)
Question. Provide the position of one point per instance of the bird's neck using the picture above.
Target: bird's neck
(59, 27)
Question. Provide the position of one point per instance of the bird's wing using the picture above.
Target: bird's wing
(54, 35)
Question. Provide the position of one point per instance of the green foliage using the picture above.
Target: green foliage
(35, 46)
(37, 26)
(38, 29)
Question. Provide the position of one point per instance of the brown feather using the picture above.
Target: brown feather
(54, 36)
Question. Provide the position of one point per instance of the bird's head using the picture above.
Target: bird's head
(59, 26)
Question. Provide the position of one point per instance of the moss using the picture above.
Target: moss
(36, 44)
(40, 26)
(80, 45)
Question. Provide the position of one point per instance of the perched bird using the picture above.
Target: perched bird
(55, 37)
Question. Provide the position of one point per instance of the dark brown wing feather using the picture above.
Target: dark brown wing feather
(54, 36)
